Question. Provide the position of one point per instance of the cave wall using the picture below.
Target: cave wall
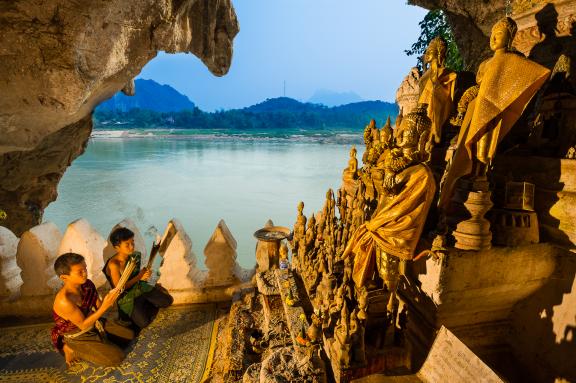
(30, 177)
(61, 58)
(545, 27)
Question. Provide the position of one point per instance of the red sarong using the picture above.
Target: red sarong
(63, 326)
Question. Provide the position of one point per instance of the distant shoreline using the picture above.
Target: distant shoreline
(335, 136)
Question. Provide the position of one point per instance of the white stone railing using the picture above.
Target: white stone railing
(28, 282)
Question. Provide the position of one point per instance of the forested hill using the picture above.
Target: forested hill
(149, 95)
(272, 114)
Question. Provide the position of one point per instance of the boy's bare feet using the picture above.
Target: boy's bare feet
(69, 356)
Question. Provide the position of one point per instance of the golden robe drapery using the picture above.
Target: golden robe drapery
(439, 95)
(396, 227)
(507, 84)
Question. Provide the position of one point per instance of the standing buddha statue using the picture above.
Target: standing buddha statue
(437, 87)
(507, 82)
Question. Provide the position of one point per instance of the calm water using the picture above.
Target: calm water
(199, 182)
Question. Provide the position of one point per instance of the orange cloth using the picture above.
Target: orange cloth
(507, 84)
(396, 227)
(439, 95)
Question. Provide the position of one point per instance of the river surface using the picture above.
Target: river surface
(244, 181)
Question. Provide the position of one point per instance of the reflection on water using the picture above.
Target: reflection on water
(152, 180)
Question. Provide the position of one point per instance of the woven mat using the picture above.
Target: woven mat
(176, 347)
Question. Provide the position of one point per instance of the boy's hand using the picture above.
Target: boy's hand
(110, 298)
(145, 274)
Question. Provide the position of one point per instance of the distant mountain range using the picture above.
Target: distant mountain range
(331, 98)
(150, 96)
(156, 105)
(378, 109)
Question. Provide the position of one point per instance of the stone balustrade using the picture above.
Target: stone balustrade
(28, 282)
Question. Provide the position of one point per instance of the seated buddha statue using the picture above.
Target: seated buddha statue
(394, 228)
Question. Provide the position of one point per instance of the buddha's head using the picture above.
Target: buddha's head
(386, 133)
(436, 51)
(413, 134)
(353, 152)
(503, 33)
(312, 221)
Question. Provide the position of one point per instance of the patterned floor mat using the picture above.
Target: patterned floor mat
(176, 347)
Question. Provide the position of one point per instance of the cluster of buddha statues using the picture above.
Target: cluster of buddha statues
(356, 246)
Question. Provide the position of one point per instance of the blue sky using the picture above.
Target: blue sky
(341, 45)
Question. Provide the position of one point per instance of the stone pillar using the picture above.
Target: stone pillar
(10, 279)
(267, 253)
(37, 251)
(139, 243)
(81, 238)
(179, 270)
(408, 92)
(220, 253)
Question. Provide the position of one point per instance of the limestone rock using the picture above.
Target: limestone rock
(81, 238)
(139, 243)
(472, 22)
(61, 58)
(407, 93)
(130, 88)
(220, 253)
(37, 251)
(10, 279)
(179, 270)
(30, 178)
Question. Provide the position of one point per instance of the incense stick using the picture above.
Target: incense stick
(125, 275)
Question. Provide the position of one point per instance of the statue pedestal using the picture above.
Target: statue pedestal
(473, 293)
(474, 233)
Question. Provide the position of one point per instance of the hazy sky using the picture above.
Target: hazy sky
(341, 45)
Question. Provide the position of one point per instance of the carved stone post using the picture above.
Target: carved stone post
(81, 238)
(37, 251)
(10, 279)
(179, 270)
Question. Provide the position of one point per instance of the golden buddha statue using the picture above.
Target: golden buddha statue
(507, 82)
(350, 174)
(395, 227)
(437, 87)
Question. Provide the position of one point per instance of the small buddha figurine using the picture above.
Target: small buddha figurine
(310, 233)
(350, 174)
(386, 134)
(299, 227)
(368, 139)
(507, 82)
(284, 257)
(357, 338)
(437, 87)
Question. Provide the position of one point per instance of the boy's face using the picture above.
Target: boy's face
(78, 274)
(125, 247)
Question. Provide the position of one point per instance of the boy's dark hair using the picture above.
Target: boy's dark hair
(121, 234)
(64, 262)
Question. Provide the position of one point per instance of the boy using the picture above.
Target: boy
(77, 308)
(140, 301)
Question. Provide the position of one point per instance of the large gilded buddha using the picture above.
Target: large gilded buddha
(507, 82)
(395, 227)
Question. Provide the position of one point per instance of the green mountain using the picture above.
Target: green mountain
(281, 113)
(149, 95)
